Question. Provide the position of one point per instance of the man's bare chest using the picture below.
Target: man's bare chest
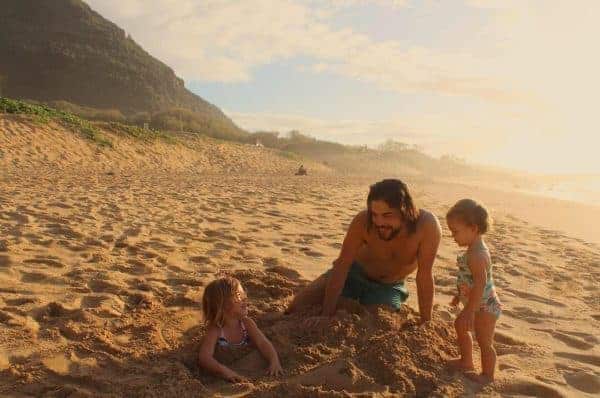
(398, 252)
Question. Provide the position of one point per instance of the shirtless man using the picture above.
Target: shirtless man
(384, 244)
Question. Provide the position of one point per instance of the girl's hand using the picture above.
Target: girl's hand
(465, 320)
(274, 369)
(234, 377)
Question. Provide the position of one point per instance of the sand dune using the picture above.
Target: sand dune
(27, 145)
(101, 276)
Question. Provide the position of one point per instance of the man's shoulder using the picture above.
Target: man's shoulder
(361, 216)
(425, 216)
(428, 222)
(359, 222)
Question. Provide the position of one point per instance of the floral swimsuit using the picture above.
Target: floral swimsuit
(223, 342)
(489, 301)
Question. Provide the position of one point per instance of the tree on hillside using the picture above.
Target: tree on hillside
(266, 138)
(393, 146)
(447, 158)
(297, 137)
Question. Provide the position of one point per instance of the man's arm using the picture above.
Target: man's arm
(339, 273)
(432, 233)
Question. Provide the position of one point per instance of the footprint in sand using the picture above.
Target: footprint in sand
(102, 286)
(583, 381)
(38, 240)
(270, 261)
(585, 358)
(93, 301)
(571, 341)
(527, 314)
(49, 260)
(222, 246)
(63, 230)
(200, 260)
(94, 243)
(507, 339)
(138, 267)
(175, 282)
(16, 217)
(534, 297)
(21, 301)
(311, 253)
(5, 261)
(212, 233)
(527, 386)
(585, 336)
(41, 278)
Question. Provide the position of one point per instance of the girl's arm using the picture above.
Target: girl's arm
(207, 360)
(264, 346)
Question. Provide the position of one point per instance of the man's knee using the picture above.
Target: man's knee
(310, 295)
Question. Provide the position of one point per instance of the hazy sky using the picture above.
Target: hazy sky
(505, 82)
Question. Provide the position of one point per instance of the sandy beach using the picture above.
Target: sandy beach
(104, 254)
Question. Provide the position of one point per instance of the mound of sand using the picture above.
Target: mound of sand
(379, 351)
(26, 145)
(152, 350)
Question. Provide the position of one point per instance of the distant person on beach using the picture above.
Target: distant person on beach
(468, 221)
(301, 171)
(228, 327)
(384, 244)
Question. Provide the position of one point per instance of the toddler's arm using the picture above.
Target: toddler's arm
(455, 300)
(207, 360)
(477, 264)
(264, 346)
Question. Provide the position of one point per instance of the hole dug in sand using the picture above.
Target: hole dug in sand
(362, 351)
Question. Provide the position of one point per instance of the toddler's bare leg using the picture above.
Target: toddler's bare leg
(485, 324)
(465, 345)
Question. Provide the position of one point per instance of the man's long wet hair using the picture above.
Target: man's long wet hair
(395, 193)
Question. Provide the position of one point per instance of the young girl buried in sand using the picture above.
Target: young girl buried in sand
(226, 315)
(468, 221)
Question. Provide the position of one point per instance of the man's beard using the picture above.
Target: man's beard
(392, 233)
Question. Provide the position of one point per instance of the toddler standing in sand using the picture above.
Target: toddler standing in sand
(226, 315)
(468, 221)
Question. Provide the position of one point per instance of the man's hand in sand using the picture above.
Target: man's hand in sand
(275, 369)
(316, 322)
(234, 377)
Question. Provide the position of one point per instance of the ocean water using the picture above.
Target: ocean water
(583, 189)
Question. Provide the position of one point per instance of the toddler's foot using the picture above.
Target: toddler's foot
(479, 378)
(459, 364)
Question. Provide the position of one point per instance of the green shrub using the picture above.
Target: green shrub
(138, 132)
(45, 114)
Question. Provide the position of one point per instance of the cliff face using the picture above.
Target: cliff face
(63, 50)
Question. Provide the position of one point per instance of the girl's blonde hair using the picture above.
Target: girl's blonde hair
(471, 213)
(215, 299)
